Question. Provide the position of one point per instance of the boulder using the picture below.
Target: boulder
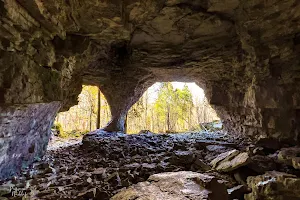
(224, 156)
(290, 156)
(274, 185)
(230, 161)
(268, 143)
(183, 185)
(262, 164)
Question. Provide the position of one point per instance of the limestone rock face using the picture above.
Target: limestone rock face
(25, 131)
(245, 55)
(181, 185)
(274, 185)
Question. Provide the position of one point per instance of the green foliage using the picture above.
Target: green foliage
(74, 134)
(71, 134)
(173, 106)
(58, 128)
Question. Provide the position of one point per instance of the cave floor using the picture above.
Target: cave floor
(104, 163)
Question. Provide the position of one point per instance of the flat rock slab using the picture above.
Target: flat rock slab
(223, 157)
(230, 161)
(184, 185)
(240, 160)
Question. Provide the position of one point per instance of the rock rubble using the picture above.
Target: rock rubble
(156, 166)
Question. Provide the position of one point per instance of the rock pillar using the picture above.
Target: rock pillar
(121, 94)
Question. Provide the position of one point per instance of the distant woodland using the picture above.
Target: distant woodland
(169, 110)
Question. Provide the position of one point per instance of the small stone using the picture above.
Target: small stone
(14, 180)
(258, 150)
(99, 171)
(216, 148)
(149, 166)
(49, 170)
(89, 194)
(89, 180)
(132, 166)
(238, 192)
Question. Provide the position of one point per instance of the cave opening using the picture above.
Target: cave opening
(92, 112)
(165, 107)
(172, 107)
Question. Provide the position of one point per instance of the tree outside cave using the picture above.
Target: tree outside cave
(171, 107)
(91, 112)
(165, 107)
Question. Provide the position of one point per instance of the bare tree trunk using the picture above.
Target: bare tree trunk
(99, 110)
(146, 110)
(190, 117)
(152, 120)
(91, 115)
(168, 119)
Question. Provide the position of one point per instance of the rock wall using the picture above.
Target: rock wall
(24, 134)
(268, 111)
(243, 53)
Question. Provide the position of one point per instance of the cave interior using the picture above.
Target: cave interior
(243, 53)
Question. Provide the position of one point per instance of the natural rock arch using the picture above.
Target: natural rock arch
(244, 52)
